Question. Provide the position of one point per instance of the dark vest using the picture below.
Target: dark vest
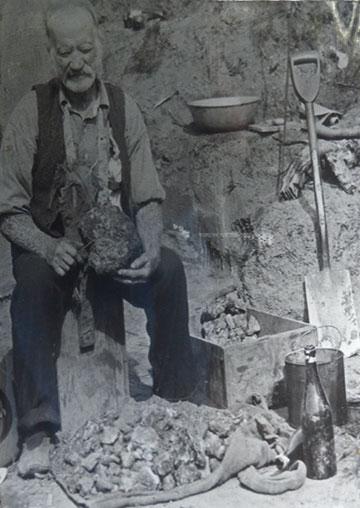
(50, 154)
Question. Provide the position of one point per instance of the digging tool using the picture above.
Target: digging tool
(329, 293)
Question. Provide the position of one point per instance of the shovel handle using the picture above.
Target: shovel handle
(306, 57)
(306, 85)
(319, 194)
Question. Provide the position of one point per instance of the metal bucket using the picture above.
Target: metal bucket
(330, 364)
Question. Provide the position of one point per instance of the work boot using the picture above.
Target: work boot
(35, 455)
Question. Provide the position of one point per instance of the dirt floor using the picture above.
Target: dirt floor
(338, 492)
(334, 493)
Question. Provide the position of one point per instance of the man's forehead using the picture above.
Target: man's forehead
(71, 21)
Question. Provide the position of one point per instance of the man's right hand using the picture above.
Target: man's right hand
(63, 256)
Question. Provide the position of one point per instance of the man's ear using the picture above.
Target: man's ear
(51, 52)
(100, 33)
(99, 52)
(99, 38)
(101, 47)
(49, 43)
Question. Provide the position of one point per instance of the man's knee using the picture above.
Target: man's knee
(171, 265)
(34, 277)
(33, 272)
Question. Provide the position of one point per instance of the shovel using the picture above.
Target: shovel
(329, 293)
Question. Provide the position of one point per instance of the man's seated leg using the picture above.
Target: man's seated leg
(165, 301)
(37, 311)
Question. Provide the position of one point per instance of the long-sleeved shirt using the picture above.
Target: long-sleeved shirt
(20, 144)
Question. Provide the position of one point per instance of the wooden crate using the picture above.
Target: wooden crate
(230, 375)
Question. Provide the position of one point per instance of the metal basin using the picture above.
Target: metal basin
(223, 113)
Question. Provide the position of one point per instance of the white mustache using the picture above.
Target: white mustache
(86, 72)
(79, 74)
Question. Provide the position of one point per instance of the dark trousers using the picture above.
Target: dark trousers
(38, 307)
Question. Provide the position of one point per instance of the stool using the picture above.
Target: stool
(95, 381)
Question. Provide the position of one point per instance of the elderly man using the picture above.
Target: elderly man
(79, 122)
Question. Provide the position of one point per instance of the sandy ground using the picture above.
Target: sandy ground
(333, 493)
(342, 491)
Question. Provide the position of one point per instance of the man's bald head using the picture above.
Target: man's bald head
(59, 10)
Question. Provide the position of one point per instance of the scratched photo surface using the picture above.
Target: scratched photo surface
(217, 229)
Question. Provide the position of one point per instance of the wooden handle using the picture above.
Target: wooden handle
(305, 74)
(319, 195)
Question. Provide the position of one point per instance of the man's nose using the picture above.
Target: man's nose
(77, 62)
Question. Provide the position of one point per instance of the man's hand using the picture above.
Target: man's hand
(63, 256)
(149, 226)
(141, 269)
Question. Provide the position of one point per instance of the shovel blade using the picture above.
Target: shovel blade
(330, 302)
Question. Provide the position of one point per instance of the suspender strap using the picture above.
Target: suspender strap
(117, 120)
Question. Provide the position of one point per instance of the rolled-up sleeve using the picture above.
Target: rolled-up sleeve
(145, 183)
(17, 157)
